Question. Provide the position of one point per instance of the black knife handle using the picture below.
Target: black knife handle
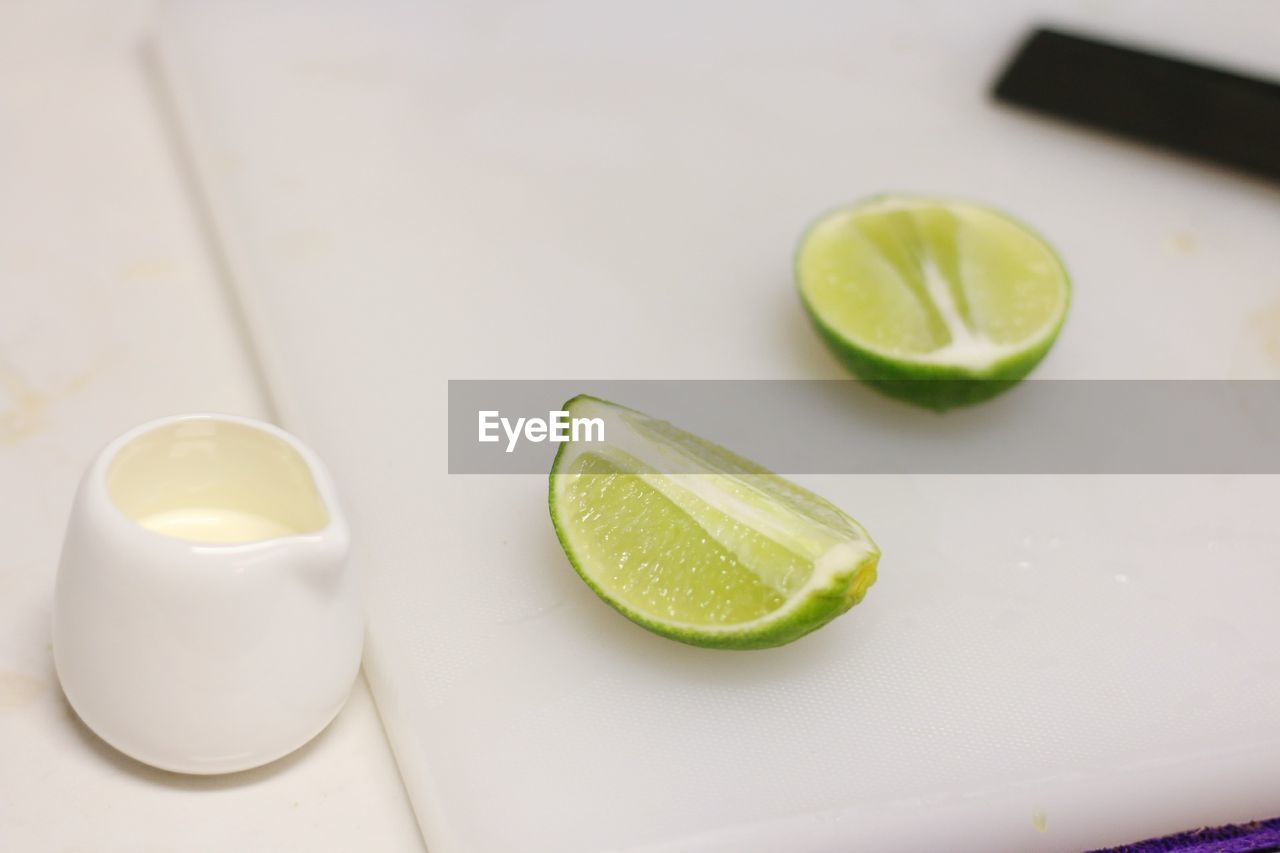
(1229, 118)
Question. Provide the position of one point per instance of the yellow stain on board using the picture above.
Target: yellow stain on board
(1183, 241)
(22, 408)
(1255, 354)
(17, 689)
(149, 269)
(1263, 328)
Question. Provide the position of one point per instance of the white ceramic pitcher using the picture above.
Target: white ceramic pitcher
(205, 617)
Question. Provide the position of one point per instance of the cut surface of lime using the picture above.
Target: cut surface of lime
(938, 301)
(696, 543)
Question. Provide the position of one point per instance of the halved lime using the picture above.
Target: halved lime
(697, 544)
(936, 301)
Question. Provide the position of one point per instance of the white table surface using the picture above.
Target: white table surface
(414, 192)
(112, 312)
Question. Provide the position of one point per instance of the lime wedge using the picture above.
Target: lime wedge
(697, 544)
(938, 302)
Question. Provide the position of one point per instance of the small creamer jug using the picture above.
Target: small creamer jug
(205, 618)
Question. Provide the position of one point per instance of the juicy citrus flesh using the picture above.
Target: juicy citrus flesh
(932, 282)
(659, 561)
(695, 543)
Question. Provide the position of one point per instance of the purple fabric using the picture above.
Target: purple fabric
(1245, 838)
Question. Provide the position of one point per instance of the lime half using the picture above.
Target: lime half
(698, 544)
(940, 302)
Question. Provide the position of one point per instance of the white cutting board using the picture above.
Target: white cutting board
(413, 193)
